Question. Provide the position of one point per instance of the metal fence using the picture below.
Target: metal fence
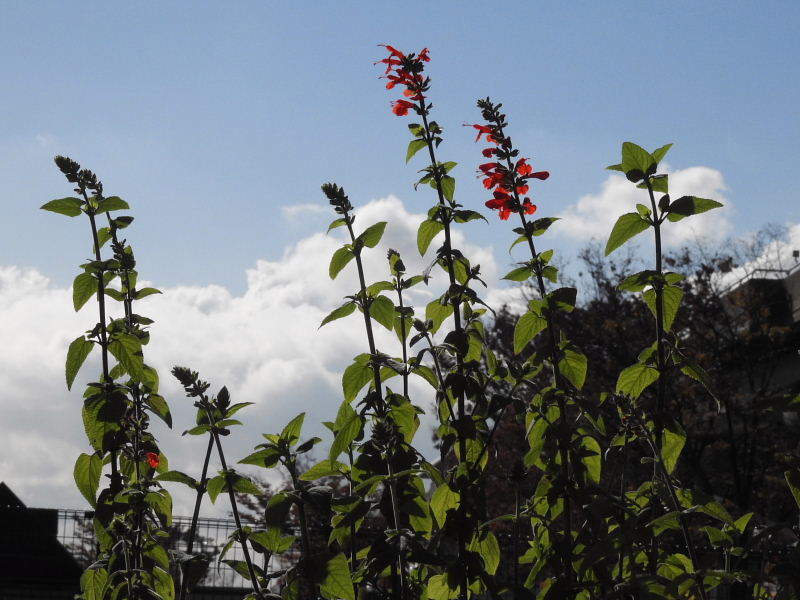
(76, 535)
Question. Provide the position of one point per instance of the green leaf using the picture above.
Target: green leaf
(444, 499)
(573, 367)
(336, 582)
(638, 281)
(486, 545)
(79, 349)
(636, 158)
(144, 292)
(245, 486)
(539, 226)
(382, 310)
(671, 302)
(659, 154)
(793, 481)
(626, 227)
(528, 326)
(127, 350)
(336, 223)
(344, 310)
(291, 432)
(633, 380)
(414, 146)
(162, 583)
(339, 260)
(215, 486)
(272, 540)
(593, 459)
(324, 468)
(71, 207)
(437, 312)
(112, 203)
(519, 274)
(355, 377)
(159, 406)
(372, 234)
(83, 287)
(87, 476)
(178, 477)
(439, 588)
(690, 205)
(94, 583)
(425, 234)
(101, 417)
(347, 427)
(448, 187)
(673, 440)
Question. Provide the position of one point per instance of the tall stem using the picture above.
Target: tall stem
(456, 303)
(196, 514)
(658, 286)
(563, 431)
(398, 592)
(116, 482)
(234, 507)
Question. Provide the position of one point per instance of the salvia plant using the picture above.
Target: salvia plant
(132, 509)
(597, 510)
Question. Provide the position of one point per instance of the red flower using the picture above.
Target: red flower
(528, 206)
(400, 107)
(489, 152)
(152, 459)
(483, 130)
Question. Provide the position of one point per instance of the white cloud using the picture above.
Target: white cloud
(264, 345)
(593, 215)
(292, 211)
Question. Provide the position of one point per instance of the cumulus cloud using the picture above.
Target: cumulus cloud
(593, 215)
(263, 344)
(292, 211)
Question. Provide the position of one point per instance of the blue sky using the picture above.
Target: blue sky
(212, 119)
(207, 117)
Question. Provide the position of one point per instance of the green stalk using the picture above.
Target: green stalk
(376, 373)
(201, 490)
(234, 507)
(456, 303)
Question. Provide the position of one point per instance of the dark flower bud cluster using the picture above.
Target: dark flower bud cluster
(338, 199)
(190, 380)
(85, 179)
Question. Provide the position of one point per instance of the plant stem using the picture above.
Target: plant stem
(196, 514)
(456, 304)
(564, 435)
(381, 406)
(234, 507)
(305, 536)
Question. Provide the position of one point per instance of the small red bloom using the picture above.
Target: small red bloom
(523, 168)
(528, 206)
(483, 130)
(400, 107)
(152, 459)
(489, 152)
(538, 175)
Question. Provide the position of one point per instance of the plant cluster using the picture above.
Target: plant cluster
(584, 524)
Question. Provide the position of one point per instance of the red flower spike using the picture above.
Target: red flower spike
(152, 459)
